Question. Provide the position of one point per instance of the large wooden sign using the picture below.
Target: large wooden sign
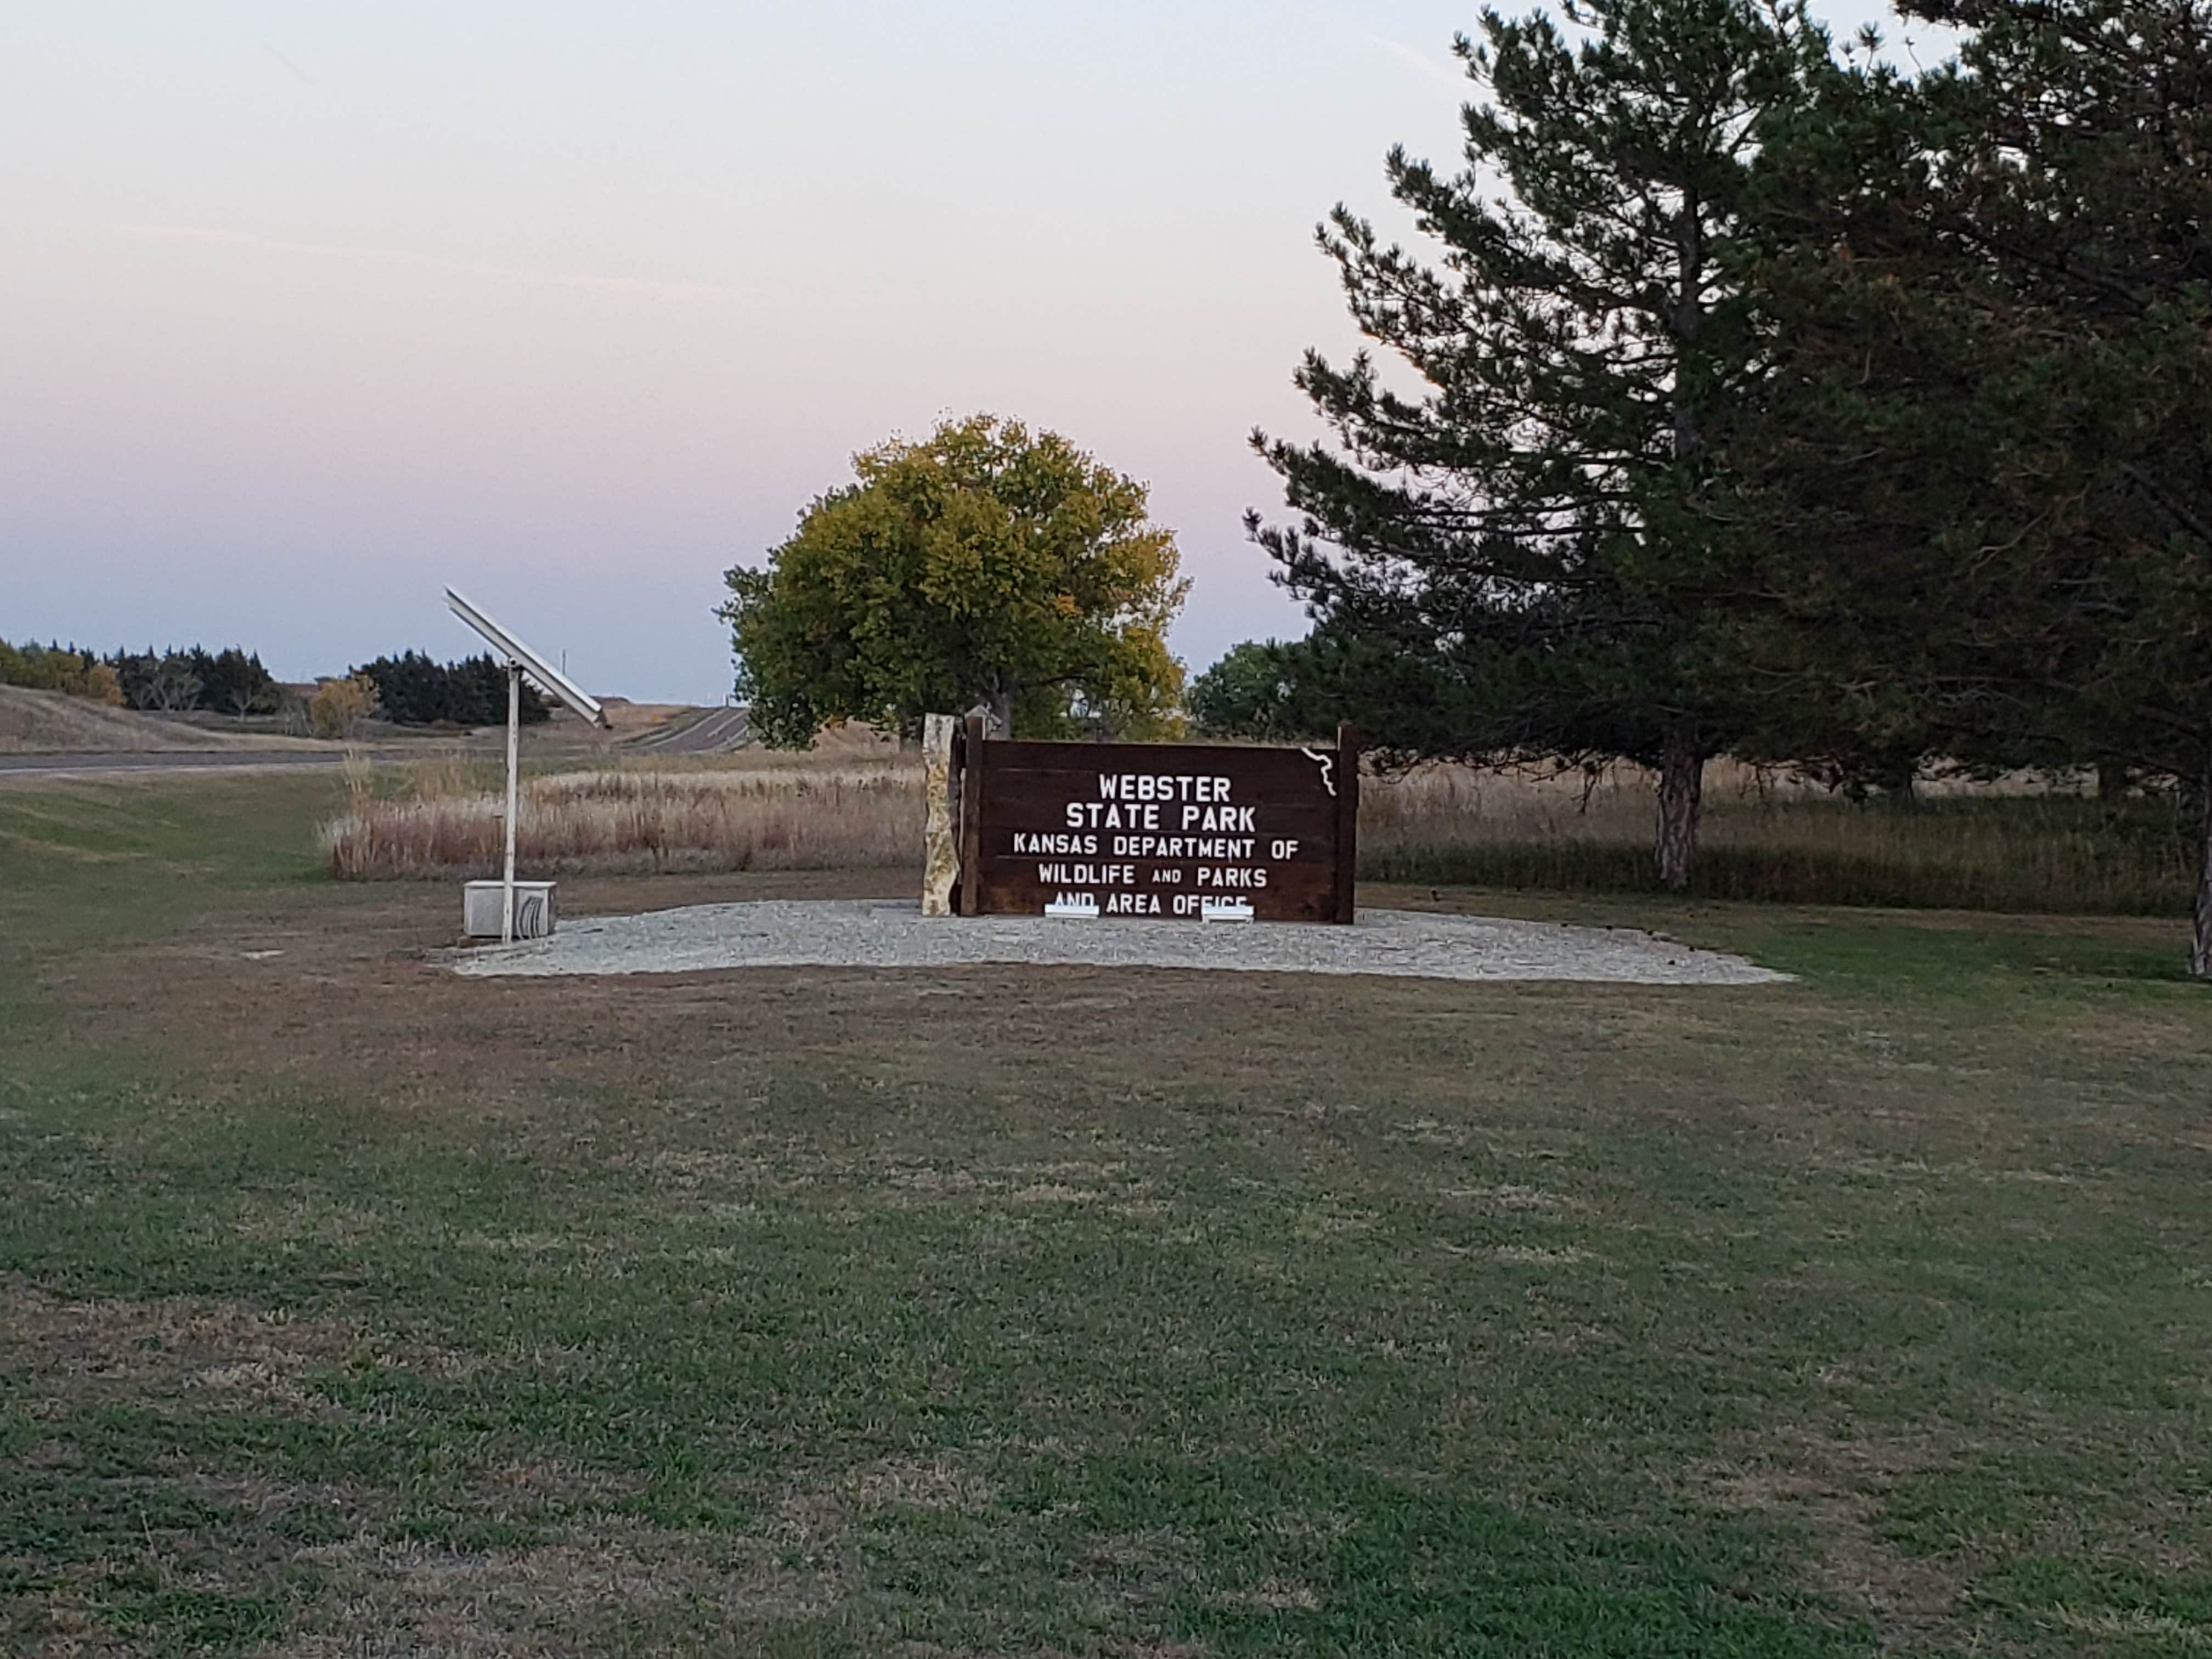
(1170, 832)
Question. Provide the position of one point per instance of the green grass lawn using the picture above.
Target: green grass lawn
(348, 1307)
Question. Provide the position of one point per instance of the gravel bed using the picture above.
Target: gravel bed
(894, 933)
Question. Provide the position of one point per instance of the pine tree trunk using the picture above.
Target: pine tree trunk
(1002, 713)
(1681, 800)
(2199, 942)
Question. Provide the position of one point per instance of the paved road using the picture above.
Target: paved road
(719, 731)
(181, 760)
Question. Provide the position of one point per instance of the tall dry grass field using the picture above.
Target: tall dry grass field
(445, 821)
(2023, 846)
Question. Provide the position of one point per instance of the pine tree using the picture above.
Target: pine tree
(414, 690)
(1504, 555)
(1983, 469)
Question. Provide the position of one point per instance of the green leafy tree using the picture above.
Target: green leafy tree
(1250, 692)
(1501, 558)
(56, 667)
(1983, 468)
(985, 565)
(340, 706)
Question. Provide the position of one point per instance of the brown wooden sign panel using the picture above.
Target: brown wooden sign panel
(1167, 832)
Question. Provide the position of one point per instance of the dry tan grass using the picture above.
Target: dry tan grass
(1432, 806)
(763, 810)
(757, 817)
(2020, 844)
(112, 1347)
(2024, 843)
(607, 1585)
(50, 722)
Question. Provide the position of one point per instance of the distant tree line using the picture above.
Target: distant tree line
(58, 667)
(231, 680)
(413, 690)
(1767, 400)
(409, 690)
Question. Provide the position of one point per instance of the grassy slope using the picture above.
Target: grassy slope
(42, 722)
(48, 722)
(1077, 1312)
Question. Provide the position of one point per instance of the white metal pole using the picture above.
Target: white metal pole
(513, 731)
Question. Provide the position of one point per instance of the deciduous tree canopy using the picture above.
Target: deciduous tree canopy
(983, 565)
(1250, 692)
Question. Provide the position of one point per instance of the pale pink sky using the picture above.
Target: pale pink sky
(305, 310)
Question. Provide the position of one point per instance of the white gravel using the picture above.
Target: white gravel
(894, 933)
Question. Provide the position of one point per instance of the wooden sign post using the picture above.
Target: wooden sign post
(1188, 832)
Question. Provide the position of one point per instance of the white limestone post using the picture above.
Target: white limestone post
(940, 831)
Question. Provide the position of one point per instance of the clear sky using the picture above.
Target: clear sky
(307, 309)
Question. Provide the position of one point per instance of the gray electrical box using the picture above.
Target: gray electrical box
(533, 908)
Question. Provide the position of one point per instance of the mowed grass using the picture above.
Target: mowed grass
(347, 1307)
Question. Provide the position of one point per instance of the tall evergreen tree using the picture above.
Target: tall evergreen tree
(1982, 471)
(1502, 558)
(414, 690)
